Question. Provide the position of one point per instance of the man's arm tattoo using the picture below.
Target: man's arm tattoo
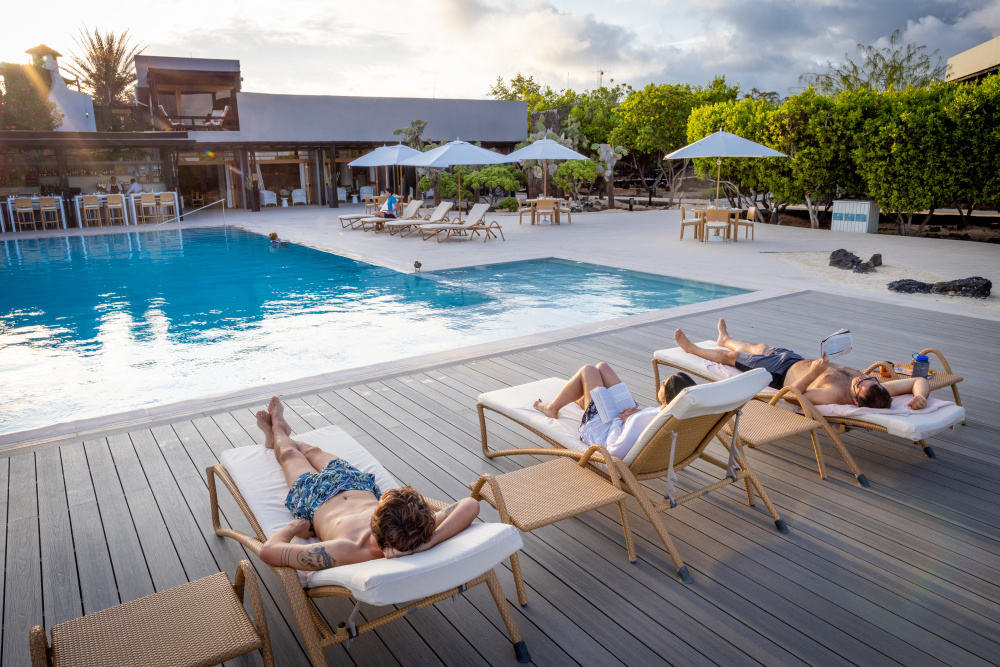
(315, 558)
(286, 556)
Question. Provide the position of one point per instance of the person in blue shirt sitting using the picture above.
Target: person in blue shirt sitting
(388, 209)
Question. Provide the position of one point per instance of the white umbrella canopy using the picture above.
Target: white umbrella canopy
(384, 156)
(723, 144)
(452, 154)
(545, 150)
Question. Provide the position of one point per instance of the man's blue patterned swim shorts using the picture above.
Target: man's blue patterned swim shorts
(312, 489)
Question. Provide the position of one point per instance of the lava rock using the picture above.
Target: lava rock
(910, 286)
(933, 229)
(876, 260)
(959, 237)
(865, 267)
(975, 287)
(589, 205)
(844, 259)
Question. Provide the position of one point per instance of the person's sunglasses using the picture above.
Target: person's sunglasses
(857, 388)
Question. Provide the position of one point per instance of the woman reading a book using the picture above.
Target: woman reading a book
(611, 416)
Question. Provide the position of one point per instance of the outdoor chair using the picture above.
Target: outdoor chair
(746, 223)
(341, 194)
(147, 209)
(545, 208)
(716, 220)
(677, 437)
(24, 213)
(114, 209)
(406, 226)
(299, 197)
(165, 207)
(49, 212)
(268, 198)
(695, 222)
(92, 211)
(472, 225)
(218, 117)
(369, 202)
(524, 208)
(255, 480)
(165, 118)
(198, 199)
(774, 419)
(202, 622)
(565, 207)
(378, 224)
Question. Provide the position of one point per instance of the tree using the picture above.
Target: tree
(495, 180)
(413, 136)
(894, 67)
(607, 157)
(24, 103)
(105, 69)
(594, 115)
(974, 149)
(572, 174)
(528, 90)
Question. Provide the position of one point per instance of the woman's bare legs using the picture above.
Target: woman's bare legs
(727, 356)
(296, 458)
(578, 389)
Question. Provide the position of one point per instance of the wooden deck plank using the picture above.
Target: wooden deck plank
(23, 582)
(60, 585)
(4, 494)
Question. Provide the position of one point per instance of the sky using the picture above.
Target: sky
(458, 48)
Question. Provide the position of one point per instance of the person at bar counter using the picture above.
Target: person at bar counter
(114, 188)
(133, 188)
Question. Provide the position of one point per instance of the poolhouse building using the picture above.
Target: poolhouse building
(195, 132)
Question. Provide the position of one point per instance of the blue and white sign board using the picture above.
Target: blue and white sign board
(855, 216)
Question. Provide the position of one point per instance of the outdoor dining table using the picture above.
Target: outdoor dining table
(102, 199)
(556, 207)
(34, 204)
(734, 214)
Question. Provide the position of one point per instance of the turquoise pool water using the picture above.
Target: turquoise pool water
(95, 325)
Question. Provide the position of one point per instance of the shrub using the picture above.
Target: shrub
(508, 204)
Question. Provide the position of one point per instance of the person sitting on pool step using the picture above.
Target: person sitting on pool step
(344, 507)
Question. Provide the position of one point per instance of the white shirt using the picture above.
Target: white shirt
(135, 188)
(616, 435)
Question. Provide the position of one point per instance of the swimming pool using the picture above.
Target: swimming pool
(93, 325)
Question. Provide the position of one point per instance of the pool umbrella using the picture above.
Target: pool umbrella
(455, 153)
(720, 145)
(384, 156)
(545, 150)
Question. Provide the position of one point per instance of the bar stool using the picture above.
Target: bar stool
(147, 210)
(24, 213)
(166, 209)
(47, 206)
(114, 210)
(91, 210)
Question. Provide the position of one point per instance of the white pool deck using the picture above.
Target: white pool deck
(642, 241)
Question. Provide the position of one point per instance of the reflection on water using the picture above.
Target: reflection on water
(101, 324)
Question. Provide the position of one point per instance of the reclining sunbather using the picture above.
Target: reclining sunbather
(820, 381)
(345, 508)
(622, 432)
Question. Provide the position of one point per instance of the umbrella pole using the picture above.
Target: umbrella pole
(545, 178)
(460, 195)
(718, 176)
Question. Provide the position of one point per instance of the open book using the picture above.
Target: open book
(836, 344)
(609, 402)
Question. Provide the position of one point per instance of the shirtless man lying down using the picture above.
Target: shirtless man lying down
(344, 507)
(822, 382)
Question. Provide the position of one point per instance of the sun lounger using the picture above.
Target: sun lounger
(351, 219)
(410, 225)
(472, 225)
(677, 437)
(765, 425)
(377, 223)
(412, 582)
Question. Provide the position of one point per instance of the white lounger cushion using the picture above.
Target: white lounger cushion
(456, 561)
(714, 398)
(913, 426)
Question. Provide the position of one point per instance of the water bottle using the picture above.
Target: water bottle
(921, 365)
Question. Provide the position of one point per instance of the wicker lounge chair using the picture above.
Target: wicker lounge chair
(407, 226)
(377, 223)
(762, 425)
(677, 437)
(413, 582)
(475, 223)
(202, 622)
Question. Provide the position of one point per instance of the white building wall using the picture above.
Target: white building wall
(77, 108)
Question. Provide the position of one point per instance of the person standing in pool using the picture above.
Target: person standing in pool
(344, 507)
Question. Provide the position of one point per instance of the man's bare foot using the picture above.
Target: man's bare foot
(264, 424)
(545, 409)
(723, 333)
(277, 412)
(683, 341)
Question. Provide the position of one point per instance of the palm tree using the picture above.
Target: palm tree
(106, 67)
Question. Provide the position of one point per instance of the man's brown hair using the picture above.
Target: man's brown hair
(402, 520)
(874, 395)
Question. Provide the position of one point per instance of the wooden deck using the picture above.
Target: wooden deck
(905, 572)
